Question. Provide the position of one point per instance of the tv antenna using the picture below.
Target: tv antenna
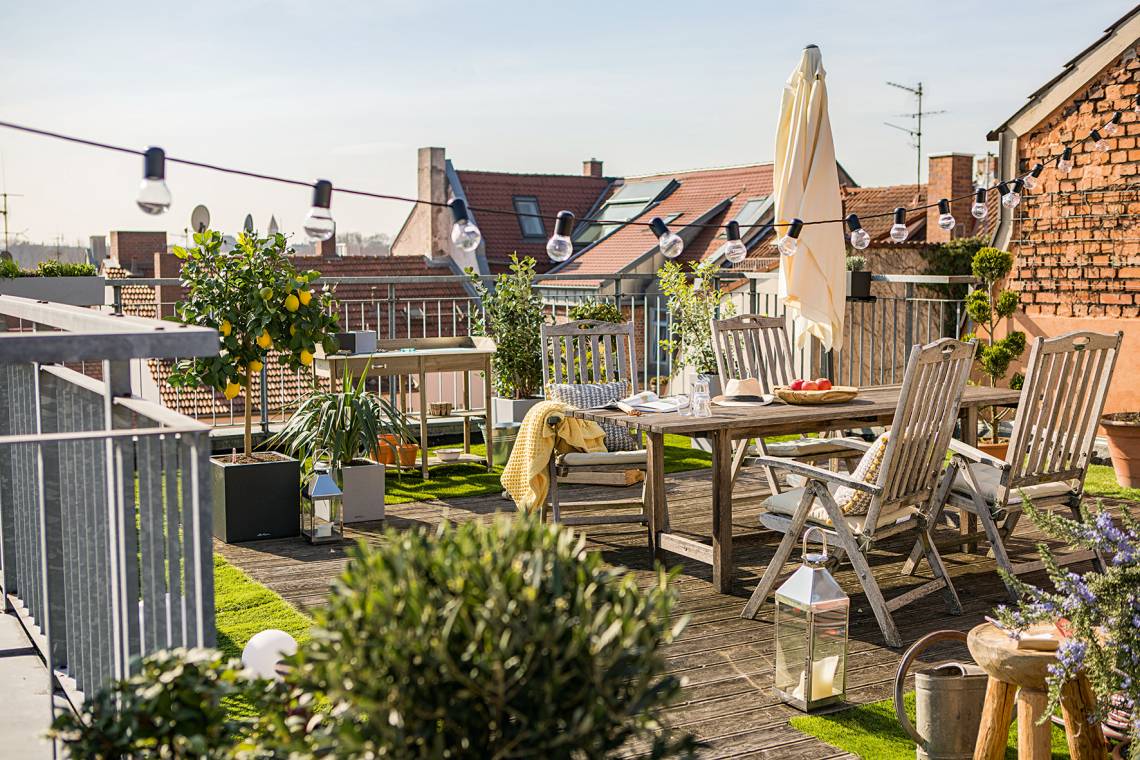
(915, 132)
(4, 196)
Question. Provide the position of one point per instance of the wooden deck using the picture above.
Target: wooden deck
(726, 661)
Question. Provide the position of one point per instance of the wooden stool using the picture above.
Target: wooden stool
(1011, 669)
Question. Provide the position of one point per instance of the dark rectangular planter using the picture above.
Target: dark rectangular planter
(256, 500)
(357, 342)
(859, 286)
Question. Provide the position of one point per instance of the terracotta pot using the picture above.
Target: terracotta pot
(1123, 434)
(998, 449)
(408, 453)
(385, 453)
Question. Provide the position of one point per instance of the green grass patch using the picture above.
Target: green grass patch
(1101, 481)
(873, 732)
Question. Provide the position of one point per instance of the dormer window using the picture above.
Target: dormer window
(529, 222)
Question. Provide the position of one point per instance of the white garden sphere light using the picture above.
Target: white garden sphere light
(266, 649)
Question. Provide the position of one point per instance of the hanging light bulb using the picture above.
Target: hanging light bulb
(1100, 145)
(898, 229)
(670, 243)
(859, 237)
(319, 224)
(1010, 196)
(1065, 162)
(560, 246)
(464, 233)
(790, 242)
(945, 218)
(980, 209)
(734, 249)
(1030, 180)
(154, 195)
(1112, 126)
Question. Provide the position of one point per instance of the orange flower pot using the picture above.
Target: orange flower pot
(1122, 430)
(386, 448)
(408, 453)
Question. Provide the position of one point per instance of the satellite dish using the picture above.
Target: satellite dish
(272, 226)
(200, 218)
(247, 225)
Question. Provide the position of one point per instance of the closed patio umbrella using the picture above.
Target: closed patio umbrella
(813, 282)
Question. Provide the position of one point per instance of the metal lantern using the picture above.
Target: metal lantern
(322, 508)
(811, 633)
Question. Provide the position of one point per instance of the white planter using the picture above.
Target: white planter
(74, 291)
(363, 485)
(511, 409)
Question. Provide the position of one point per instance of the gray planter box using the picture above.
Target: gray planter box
(363, 485)
(859, 286)
(511, 409)
(74, 291)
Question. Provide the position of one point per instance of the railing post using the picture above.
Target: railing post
(117, 297)
(391, 311)
(908, 328)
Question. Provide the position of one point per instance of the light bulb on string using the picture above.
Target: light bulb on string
(1010, 196)
(1030, 179)
(1112, 126)
(670, 243)
(154, 196)
(945, 218)
(979, 209)
(899, 231)
(1100, 145)
(464, 234)
(734, 249)
(1065, 162)
(319, 224)
(858, 237)
(560, 246)
(790, 243)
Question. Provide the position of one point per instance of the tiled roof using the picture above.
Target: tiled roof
(866, 202)
(502, 234)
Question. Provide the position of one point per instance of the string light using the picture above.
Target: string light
(319, 224)
(899, 231)
(859, 237)
(1031, 178)
(560, 246)
(790, 243)
(980, 209)
(734, 249)
(464, 233)
(1112, 126)
(1100, 145)
(1010, 197)
(154, 196)
(945, 218)
(670, 243)
(1065, 162)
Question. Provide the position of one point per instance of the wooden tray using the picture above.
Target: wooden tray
(837, 394)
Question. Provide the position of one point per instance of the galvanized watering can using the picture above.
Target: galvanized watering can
(948, 703)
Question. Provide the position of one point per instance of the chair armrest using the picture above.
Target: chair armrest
(976, 455)
(855, 444)
(817, 473)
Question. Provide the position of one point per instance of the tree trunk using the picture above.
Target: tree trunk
(248, 439)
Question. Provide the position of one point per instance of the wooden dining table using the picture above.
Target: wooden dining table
(874, 406)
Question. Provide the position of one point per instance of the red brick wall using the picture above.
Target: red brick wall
(951, 175)
(135, 250)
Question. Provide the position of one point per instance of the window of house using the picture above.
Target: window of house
(532, 226)
(625, 204)
(750, 213)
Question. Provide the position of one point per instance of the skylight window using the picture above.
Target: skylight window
(531, 226)
(750, 213)
(629, 201)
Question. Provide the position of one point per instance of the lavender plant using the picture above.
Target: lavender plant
(1102, 606)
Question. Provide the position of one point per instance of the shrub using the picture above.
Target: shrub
(513, 316)
(692, 305)
(51, 268)
(600, 311)
(986, 306)
(506, 639)
(856, 263)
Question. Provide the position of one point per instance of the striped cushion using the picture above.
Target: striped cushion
(592, 396)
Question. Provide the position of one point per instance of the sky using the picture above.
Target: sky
(347, 91)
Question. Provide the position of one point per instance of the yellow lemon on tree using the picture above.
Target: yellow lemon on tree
(305, 296)
(232, 390)
(292, 303)
(225, 328)
(292, 329)
(255, 366)
(264, 340)
(306, 357)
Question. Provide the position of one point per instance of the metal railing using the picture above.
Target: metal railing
(105, 511)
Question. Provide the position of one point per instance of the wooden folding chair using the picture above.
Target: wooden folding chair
(906, 491)
(757, 346)
(588, 352)
(1049, 449)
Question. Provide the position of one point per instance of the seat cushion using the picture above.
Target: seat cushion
(785, 504)
(802, 447)
(989, 478)
(593, 459)
(593, 396)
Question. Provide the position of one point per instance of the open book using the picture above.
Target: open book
(647, 402)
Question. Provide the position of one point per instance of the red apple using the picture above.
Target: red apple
(797, 384)
(809, 385)
(823, 383)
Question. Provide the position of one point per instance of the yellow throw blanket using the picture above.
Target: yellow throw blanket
(526, 476)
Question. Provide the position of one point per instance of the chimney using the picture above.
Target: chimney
(951, 175)
(135, 250)
(592, 168)
(431, 177)
(326, 249)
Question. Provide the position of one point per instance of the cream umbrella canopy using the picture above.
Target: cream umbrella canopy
(813, 282)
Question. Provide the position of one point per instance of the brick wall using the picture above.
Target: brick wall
(951, 175)
(135, 250)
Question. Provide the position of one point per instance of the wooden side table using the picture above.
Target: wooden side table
(1022, 672)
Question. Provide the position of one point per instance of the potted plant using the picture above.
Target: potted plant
(513, 317)
(986, 306)
(345, 427)
(1122, 430)
(693, 305)
(56, 281)
(858, 279)
(260, 305)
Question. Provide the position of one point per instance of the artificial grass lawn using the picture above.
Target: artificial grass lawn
(873, 732)
(1101, 481)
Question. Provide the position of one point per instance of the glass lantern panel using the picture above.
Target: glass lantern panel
(829, 652)
(791, 648)
(326, 518)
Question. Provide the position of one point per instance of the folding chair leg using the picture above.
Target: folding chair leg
(997, 546)
(555, 512)
(783, 551)
(1005, 530)
(939, 569)
(941, 494)
(738, 457)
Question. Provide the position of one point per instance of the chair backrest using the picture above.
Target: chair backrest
(588, 351)
(753, 345)
(1060, 406)
(924, 420)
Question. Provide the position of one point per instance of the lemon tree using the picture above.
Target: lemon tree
(260, 305)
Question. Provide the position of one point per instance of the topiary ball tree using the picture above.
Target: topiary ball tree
(505, 639)
(259, 303)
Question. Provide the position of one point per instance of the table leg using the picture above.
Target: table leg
(1086, 741)
(997, 712)
(490, 426)
(1033, 739)
(968, 521)
(467, 409)
(655, 490)
(722, 511)
(423, 423)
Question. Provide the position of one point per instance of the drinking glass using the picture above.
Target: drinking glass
(700, 398)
